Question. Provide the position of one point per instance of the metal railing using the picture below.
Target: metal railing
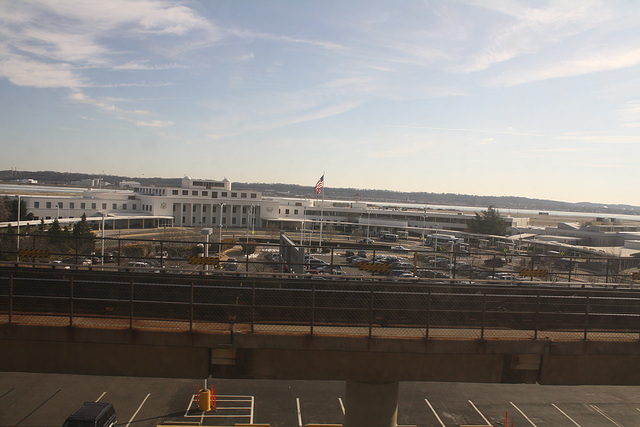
(287, 305)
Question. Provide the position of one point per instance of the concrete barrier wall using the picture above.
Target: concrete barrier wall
(263, 356)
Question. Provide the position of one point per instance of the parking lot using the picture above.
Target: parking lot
(28, 399)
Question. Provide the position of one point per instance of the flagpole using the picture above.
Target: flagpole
(322, 209)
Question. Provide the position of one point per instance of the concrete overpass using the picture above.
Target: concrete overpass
(240, 327)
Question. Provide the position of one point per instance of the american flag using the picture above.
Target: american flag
(319, 185)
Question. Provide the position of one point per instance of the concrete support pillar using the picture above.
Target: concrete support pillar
(371, 404)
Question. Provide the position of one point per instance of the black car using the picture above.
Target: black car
(92, 414)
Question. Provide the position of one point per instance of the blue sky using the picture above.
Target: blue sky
(525, 98)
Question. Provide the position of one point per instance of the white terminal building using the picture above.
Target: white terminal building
(213, 203)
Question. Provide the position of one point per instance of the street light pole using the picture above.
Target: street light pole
(18, 235)
(221, 215)
(103, 216)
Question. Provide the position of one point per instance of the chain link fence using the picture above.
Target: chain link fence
(281, 304)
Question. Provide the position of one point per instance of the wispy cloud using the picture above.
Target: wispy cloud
(630, 114)
(493, 131)
(601, 137)
(50, 44)
(586, 63)
(562, 150)
(146, 66)
(25, 72)
(525, 30)
(155, 123)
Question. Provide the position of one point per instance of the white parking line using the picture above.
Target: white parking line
(101, 396)
(563, 413)
(341, 405)
(478, 411)
(601, 412)
(139, 407)
(299, 413)
(434, 413)
(522, 413)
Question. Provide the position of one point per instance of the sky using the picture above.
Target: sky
(538, 99)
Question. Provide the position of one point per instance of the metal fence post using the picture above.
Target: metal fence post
(537, 317)
(371, 315)
(426, 334)
(10, 297)
(586, 318)
(131, 307)
(570, 268)
(313, 307)
(484, 304)
(191, 310)
(253, 305)
(71, 301)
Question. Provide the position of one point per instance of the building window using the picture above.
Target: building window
(60, 205)
(82, 205)
(254, 195)
(214, 194)
(193, 220)
(244, 221)
(295, 211)
(194, 193)
(243, 195)
(174, 192)
(224, 209)
(114, 206)
(286, 211)
(224, 220)
(213, 208)
(224, 194)
(204, 208)
(134, 207)
(205, 193)
(194, 208)
(49, 205)
(185, 192)
(204, 220)
(93, 205)
(36, 205)
(234, 194)
(184, 208)
(233, 221)
(104, 206)
(234, 209)
(71, 205)
(124, 207)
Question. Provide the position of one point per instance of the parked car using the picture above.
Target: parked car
(92, 414)
(398, 248)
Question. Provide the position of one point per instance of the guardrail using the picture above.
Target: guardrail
(287, 305)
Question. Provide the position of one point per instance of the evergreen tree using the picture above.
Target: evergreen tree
(82, 228)
(82, 231)
(488, 222)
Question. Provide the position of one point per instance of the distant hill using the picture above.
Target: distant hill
(293, 190)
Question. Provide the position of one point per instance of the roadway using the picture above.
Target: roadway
(28, 399)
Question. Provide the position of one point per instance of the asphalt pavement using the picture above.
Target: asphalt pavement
(29, 399)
